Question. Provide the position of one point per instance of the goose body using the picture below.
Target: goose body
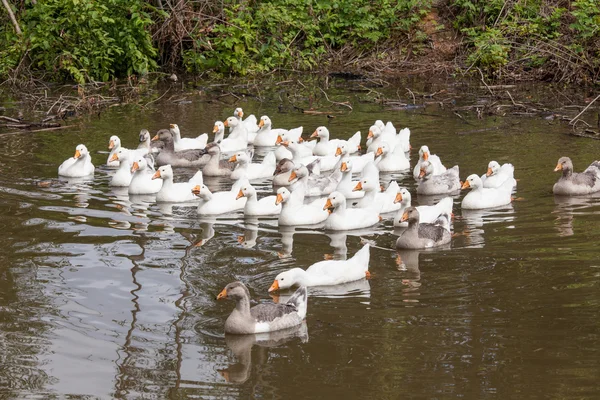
(79, 165)
(346, 185)
(496, 175)
(250, 123)
(114, 144)
(187, 143)
(215, 165)
(172, 192)
(305, 148)
(327, 147)
(358, 162)
(326, 273)
(123, 175)
(283, 170)
(295, 213)
(219, 202)
(238, 136)
(576, 183)
(430, 184)
(315, 185)
(343, 219)
(267, 136)
(142, 182)
(436, 163)
(391, 161)
(264, 317)
(427, 214)
(194, 158)
(245, 167)
(384, 202)
(421, 235)
(481, 197)
(219, 131)
(255, 207)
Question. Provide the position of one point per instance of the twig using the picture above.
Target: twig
(483, 81)
(10, 119)
(582, 111)
(513, 101)
(163, 95)
(37, 130)
(345, 103)
(413, 95)
(12, 17)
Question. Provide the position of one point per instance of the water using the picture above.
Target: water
(106, 296)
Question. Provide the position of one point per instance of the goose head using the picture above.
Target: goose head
(341, 150)
(403, 196)
(426, 170)
(382, 150)
(374, 132)
(235, 291)
(144, 136)
(298, 173)
(320, 132)
(202, 191)
(493, 168)
(411, 214)
(346, 166)
(240, 158)
(564, 164)
(120, 155)
(284, 165)
(246, 191)
(238, 113)
(139, 164)
(379, 123)
(473, 181)
(231, 123)
(114, 142)
(286, 279)
(282, 195)
(366, 184)
(213, 149)
(424, 153)
(265, 122)
(164, 172)
(334, 200)
(174, 128)
(218, 128)
(81, 152)
(292, 145)
(164, 135)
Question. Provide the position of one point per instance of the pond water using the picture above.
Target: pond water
(105, 296)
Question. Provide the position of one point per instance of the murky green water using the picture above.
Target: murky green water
(107, 296)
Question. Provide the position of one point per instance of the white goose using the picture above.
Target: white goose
(219, 202)
(327, 147)
(427, 214)
(79, 165)
(430, 184)
(374, 198)
(326, 273)
(346, 184)
(496, 175)
(402, 139)
(142, 182)
(315, 185)
(436, 163)
(267, 136)
(245, 167)
(343, 219)
(123, 175)
(256, 208)
(250, 123)
(238, 136)
(114, 144)
(187, 143)
(481, 197)
(391, 161)
(295, 213)
(219, 131)
(358, 162)
(172, 192)
(282, 152)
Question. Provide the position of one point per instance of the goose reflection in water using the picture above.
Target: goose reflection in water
(474, 221)
(568, 207)
(241, 346)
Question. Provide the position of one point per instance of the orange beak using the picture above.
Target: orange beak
(279, 199)
(77, 154)
(233, 158)
(344, 167)
(398, 198)
(240, 194)
(222, 295)
(404, 217)
(156, 175)
(370, 135)
(465, 185)
(172, 126)
(279, 139)
(300, 140)
(379, 152)
(381, 188)
(135, 167)
(292, 176)
(111, 145)
(261, 123)
(226, 123)
(241, 114)
(155, 138)
(196, 190)
(274, 286)
(328, 206)
(489, 172)
(558, 167)
(425, 156)
(286, 143)
(357, 187)
(314, 134)
(422, 173)
(338, 151)
(215, 129)
(114, 157)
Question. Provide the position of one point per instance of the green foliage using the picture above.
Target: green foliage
(84, 39)
(587, 18)
(261, 36)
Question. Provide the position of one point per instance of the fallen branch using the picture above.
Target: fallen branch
(584, 110)
(345, 103)
(37, 130)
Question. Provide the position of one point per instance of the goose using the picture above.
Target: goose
(146, 145)
(219, 202)
(436, 163)
(114, 144)
(281, 152)
(255, 207)
(187, 143)
(421, 235)
(264, 317)
(345, 219)
(142, 182)
(388, 161)
(496, 175)
(250, 123)
(326, 147)
(215, 166)
(380, 132)
(194, 158)
(346, 184)
(358, 162)
(326, 273)
(374, 198)
(447, 182)
(245, 167)
(172, 192)
(238, 136)
(481, 197)
(79, 165)
(267, 136)
(294, 212)
(283, 170)
(326, 163)
(219, 131)
(123, 175)
(427, 214)
(315, 185)
(576, 183)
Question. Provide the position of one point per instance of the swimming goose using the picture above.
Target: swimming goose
(146, 145)
(250, 123)
(326, 147)
(427, 214)
(142, 182)
(298, 154)
(344, 219)
(238, 136)
(425, 155)
(283, 170)
(254, 207)
(194, 158)
(374, 198)
(79, 165)
(114, 144)
(215, 166)
(245, 167)
(358, 162)
(123, 175)
(346, 184)
(379, 133)
(172, 192)
(315, 185)
(496, 175)
(326, 273)
(267, 136)
(388, 161)
(219, 202)
(576, 183)
(421, 235)
(481, 197)
(219, 131)
(447, 182)
(281, 152)
(187, 143)
(264, 317)
(293, 210)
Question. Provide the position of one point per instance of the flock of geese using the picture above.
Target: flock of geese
(325, 182)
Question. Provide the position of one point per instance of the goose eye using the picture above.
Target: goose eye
(282, 279)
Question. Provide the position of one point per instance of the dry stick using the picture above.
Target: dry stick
(513, 101)
(12, 17)
(483, 81)
(413, 95)
(588, 106)
(163, 95)
(10, 119)
(37, 130)
(345, 104)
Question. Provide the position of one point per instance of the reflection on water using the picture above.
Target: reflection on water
(108, 295)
